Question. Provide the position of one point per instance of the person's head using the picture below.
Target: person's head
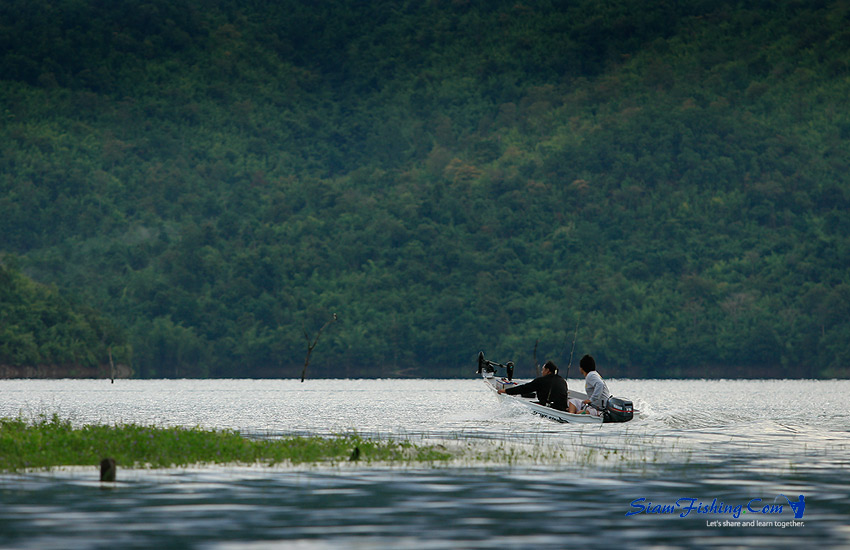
(587, 364)
(551, 367)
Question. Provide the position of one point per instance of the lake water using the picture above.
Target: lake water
(705, 450)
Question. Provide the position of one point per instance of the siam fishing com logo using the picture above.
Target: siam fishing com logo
(755, 512)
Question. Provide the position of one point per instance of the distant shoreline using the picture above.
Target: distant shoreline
(64, 371)
(123, 372)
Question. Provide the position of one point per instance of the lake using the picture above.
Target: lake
(709, 464)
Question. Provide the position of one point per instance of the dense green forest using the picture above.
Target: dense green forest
(38, 326)
(202, 183)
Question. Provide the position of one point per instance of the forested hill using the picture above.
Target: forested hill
(218, 177)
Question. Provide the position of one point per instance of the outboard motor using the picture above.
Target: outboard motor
(618, 410)
(510, 368)
(483, 364)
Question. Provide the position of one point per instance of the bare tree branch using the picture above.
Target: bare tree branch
(312, 345)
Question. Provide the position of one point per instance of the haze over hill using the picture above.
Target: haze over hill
(209, 180)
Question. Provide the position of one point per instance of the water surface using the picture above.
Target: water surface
(525, 481)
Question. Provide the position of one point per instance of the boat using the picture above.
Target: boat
(617, 410)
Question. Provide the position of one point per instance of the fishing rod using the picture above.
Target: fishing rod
(536, 363)
(575, 337)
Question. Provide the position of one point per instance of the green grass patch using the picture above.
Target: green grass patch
(51, 442)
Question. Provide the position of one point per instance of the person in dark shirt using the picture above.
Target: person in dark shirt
(550, 388)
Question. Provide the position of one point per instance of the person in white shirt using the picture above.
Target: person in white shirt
(595, 388)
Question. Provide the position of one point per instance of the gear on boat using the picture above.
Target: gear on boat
(616, 409)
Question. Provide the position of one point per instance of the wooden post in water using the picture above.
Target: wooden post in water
(107, 469)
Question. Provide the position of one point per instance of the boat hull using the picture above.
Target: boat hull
(496, 384)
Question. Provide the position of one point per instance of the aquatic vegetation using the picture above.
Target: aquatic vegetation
(50, 442)
(628, 451)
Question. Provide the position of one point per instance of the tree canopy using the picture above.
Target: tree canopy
(215, 178)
